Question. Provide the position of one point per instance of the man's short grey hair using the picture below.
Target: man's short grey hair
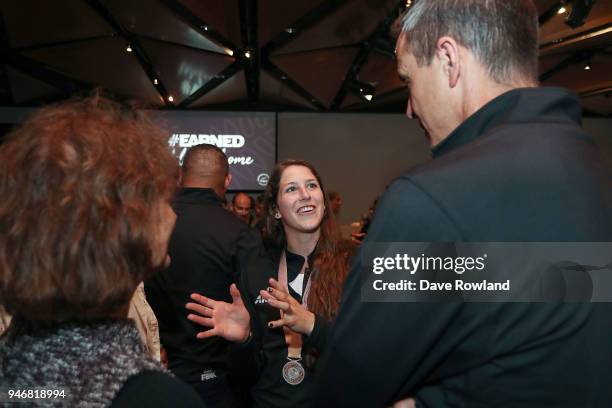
(502, 34)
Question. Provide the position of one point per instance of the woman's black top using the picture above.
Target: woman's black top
(271, 390)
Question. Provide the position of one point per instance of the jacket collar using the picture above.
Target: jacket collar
(296, 262)
(194, 195)
(522, 105)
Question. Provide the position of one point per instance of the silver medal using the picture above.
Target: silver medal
(293, 372)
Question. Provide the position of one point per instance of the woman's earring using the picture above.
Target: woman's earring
(277, 215)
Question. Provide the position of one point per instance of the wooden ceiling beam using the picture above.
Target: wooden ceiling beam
(362, 56)
(137, 49)
(559, 43)
(248, 32)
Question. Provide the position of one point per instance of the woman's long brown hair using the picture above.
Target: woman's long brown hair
(330, 265)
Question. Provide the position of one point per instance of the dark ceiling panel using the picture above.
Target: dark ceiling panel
(544, 5)
(598, 39)
(157, 21)
(550, 61)
(580, 80)
(37, 22)
(350, 24)
(184, 70)
(556, 28)
(321, 72)
(393, 102)
(274, 91)
(600, 104)
(232, 89)
(275, 16)
(103, 62)
(25, 89)
(223, 16)
(352, 101)
(380, 70)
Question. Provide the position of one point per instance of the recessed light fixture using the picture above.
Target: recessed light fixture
(129, 48)
(247, 54)
(170, 98)
(561, 10)
(587, 67)
(290, 30)
(364, 89)
(205, 27)
(229, 52)
(155, 81)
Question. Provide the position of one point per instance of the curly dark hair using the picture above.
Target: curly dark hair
(81, 185)
(330, 266)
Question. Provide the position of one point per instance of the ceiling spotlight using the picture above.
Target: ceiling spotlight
(155, 81)
(363, 89)
(229, 52)
(247, 54)
(587, 67)
(205, 27)
(170, 98)
(561, 10)
(290, 30)
(129, 48)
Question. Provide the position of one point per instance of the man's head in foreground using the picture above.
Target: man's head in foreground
(458, 55)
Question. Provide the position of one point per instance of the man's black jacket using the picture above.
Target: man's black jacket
(519, 170)
(209, 248)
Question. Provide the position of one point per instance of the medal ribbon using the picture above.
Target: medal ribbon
(292, 339)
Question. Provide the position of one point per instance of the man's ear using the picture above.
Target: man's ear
(228, 180)
(447, 50)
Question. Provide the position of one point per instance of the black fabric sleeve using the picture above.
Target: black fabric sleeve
(320, 332)
(247, 293)
(249, 249)
(156, 389)
(370, 343)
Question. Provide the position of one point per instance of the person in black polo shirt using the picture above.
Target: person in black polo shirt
(209, 248)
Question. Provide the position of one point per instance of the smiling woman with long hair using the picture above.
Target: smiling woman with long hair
(288, 299)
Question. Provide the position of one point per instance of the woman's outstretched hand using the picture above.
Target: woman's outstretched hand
(228, 320)
(293, 314)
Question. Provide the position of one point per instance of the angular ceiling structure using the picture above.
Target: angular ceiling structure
(298, 55)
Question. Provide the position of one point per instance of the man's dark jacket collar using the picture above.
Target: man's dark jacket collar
(522, 105)
(194, 195)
